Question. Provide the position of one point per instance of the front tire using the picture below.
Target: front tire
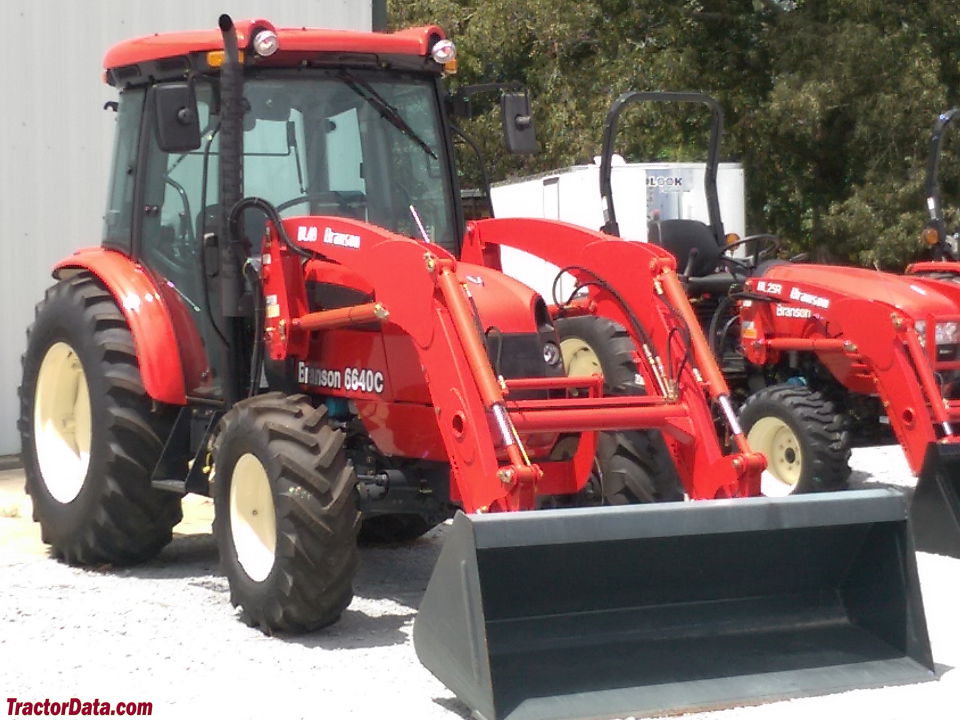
(285, 518)
(631, 466)
(803, 438)
(629, 470)
(89, 432)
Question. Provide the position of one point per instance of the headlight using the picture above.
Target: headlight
(947, 333)
(921, 327)
(266, 43)
(444, 51)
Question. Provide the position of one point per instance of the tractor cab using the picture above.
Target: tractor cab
(330, 127)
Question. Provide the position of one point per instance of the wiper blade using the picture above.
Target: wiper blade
(387, 111)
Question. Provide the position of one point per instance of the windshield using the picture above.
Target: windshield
(349, 144)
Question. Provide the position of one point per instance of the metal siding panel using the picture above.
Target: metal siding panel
(56, 141)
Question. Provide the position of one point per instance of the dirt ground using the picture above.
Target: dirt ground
(164, 632)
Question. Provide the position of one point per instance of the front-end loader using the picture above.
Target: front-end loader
(822, 356)
(286, 314)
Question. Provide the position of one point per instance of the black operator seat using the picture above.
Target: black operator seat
(695, 247)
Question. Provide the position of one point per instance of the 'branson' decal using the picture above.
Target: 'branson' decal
(792, 312)
(808, 298)
(342, 239)
(308, 234)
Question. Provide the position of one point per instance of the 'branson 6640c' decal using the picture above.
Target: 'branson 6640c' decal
(351, 378)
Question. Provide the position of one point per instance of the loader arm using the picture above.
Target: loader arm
(405, 274)
(673, 355)
(871, 348)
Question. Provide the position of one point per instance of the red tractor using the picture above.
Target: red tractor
(822, 356)
(363, 366)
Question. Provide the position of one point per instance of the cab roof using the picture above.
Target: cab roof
(293, 42)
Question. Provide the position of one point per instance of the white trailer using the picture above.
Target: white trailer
(641, 191)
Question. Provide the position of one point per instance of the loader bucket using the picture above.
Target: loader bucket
(637, 610)
(935, 511)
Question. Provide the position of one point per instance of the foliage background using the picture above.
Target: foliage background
(828, 103)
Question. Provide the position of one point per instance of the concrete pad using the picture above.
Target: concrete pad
(197, 516)
(13, 500)
(15, 504)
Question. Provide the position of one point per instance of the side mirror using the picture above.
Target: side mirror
(518, 131)
(178, 123)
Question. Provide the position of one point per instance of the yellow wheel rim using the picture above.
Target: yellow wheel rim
(579, 358)
(62, 427)
(253, 520)
(775, 439)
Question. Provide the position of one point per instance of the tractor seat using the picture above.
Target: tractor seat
(690, 241)
(694, 246)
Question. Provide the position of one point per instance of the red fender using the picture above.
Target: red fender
(146, 313)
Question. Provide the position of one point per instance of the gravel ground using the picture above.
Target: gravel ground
(164, 632)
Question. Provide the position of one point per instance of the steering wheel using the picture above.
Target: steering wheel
(764, 246)
(346, 202)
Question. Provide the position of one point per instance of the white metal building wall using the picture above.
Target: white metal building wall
(55, 138)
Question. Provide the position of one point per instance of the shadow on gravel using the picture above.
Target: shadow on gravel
(187, 556)
(398, 572)
(355, 630)
(388, 572)
(454, 706)
(860, 480)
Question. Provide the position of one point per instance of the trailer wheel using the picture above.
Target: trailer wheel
(394, 528)
(633, 466)
(803, 438)
(285, 520)
(89, 434)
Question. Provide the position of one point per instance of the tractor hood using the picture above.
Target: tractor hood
(821, 285)
(502, 302)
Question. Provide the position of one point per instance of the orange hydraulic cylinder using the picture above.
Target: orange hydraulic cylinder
(341, 317)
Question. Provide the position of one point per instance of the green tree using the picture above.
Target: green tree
(828, 102)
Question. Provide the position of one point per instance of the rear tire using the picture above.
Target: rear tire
(803, 437)
(632, 466)
(90, 435)
(285, 518)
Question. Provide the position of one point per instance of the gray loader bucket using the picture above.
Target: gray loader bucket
(935, 511)
(637, 610)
